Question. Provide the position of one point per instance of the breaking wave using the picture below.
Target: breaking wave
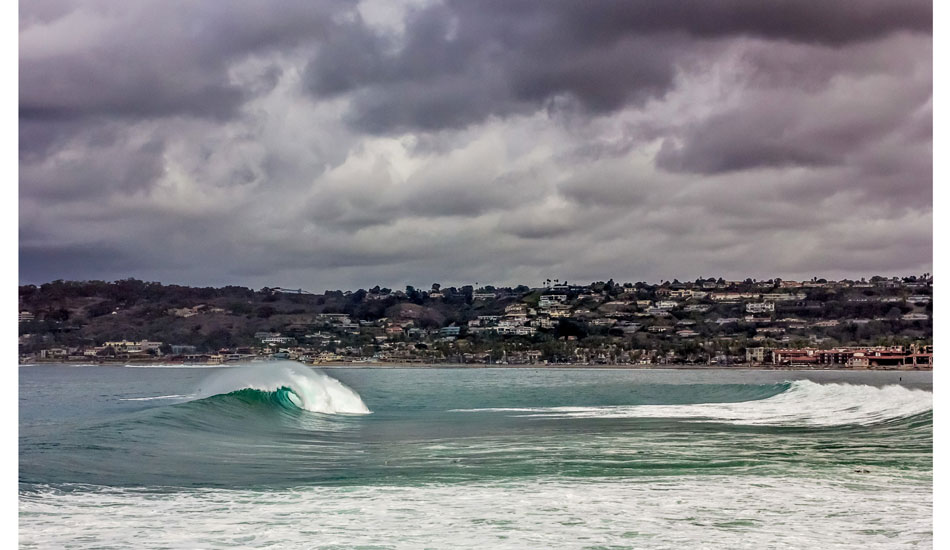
(803, 403)
(285, 384)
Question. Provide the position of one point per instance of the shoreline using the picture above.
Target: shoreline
(581, 366)
(415, 365)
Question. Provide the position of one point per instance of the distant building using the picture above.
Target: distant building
(733, 296)
(332, 318)
(760, 307)
(132, 347)
(873, 357)
(757, 355)
(54, 353)
(278, 340)
(782, 297)
(548, 300)
(450, 331)
(915, 317)
(516, 309)
(628, 327)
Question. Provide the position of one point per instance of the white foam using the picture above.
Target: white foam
(871, 511)
(315, 391)
(175, 396)
(804, 403)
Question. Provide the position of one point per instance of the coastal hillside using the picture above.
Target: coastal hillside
(707, 320)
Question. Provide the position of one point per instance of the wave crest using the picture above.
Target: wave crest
(290, 384)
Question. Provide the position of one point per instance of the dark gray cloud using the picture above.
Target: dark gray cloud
(461, 62)
(149, 59)
(341, 144)
(130, 170)
(782, 124)
(832, 23)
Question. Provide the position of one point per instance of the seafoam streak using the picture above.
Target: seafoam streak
(157, 397)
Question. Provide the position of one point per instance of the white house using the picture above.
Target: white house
(760, 307)
(549, 299)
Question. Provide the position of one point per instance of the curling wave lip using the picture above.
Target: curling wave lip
(308, 389)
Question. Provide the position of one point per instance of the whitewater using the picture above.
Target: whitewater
(802, 403)
(287, 456)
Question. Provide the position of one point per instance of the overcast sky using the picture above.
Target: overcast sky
(339, 145)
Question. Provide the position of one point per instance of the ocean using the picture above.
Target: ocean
(279, 455)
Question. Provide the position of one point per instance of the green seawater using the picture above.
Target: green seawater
(512, 457)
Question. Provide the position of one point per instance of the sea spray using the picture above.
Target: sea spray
(310, 390)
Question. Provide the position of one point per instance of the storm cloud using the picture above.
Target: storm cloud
(344, 144)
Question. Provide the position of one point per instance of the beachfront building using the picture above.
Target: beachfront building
(854, 357)
(131, 347)
(757, 355)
